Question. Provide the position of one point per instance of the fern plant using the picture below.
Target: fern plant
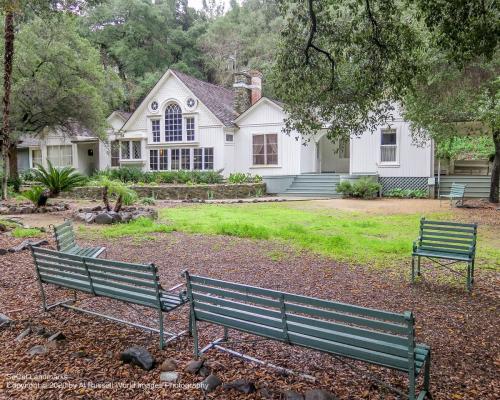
(124, 194)
(58, 180)
(35, 195)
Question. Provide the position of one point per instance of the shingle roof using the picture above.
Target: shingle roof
(217, 99)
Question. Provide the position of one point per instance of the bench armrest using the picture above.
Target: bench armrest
(416, 243)
(174, 287)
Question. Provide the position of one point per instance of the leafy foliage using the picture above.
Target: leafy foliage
(365, 188)
(116, 189)
(34, 194)
(26, 232)
(465, 148)
(407, 193)
(136, 175)
(58, 179)
(241, 177)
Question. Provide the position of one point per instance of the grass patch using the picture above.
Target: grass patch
(26, 232)
(139, 228)
(378, 240)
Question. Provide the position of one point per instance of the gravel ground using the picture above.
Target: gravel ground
(462, 329)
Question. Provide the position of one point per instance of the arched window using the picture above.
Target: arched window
(173, 123)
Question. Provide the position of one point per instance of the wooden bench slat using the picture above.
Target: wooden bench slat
(447, 223)
(235, 295)
(120, 294)
(121, 278)
(102, 268)
(444, 239)
(120, 265)
(352, 319)
(79, 284)
(448, 256)
(124, 287)
(450, 229)
(70, 265)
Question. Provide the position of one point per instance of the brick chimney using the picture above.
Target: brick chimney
(256, 82)
(247, 89)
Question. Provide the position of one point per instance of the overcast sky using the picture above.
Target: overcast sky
(198, 4)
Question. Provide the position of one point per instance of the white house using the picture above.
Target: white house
(186, 123)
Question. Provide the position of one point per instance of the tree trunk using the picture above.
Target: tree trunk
(7, 80)
(13, 172)
(119, 203)
(495, 171)
(105, 198)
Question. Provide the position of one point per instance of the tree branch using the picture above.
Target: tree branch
(311, 45)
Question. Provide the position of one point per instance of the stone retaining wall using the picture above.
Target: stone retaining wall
(179, 192)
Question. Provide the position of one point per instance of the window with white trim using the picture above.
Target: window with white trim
(130, 150)
(198, 159)
(163, 160)
(388, 146)
(173, 123)
(208, 158)
(229, 137)
(186, 159)
(153, 160)
(36, 157)
(265, 149)
(60, 156)
(115, 153)
(155, 130)
(190, 129)
(175, 159)
(344, 148)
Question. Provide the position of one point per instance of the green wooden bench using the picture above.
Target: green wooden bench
(457, 192)
(441, 240)
(135, 284)
(65, 240)
(377, 337)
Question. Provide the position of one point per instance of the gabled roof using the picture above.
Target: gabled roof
(217, 99)
(263, 99)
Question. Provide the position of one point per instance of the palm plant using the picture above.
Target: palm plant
(58, 180)
(35, 195)
(122, 192)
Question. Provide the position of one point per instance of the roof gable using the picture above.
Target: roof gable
(262, 101)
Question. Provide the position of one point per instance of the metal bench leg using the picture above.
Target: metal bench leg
(162, 340)
(469, 278)
(226, 334)
(412, 269)
(194, 332)
(427, 374)
(472, 275)
(418, 266)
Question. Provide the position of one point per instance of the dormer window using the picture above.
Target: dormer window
(173, 123)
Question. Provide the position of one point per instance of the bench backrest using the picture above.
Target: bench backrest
(457, 190)
(379, 337)
(132, 283)
(65, 236)
(448, 237)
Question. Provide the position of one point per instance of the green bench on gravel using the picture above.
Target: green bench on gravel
(65, 240)
(134, 284)
(374, 336)
(451, 241)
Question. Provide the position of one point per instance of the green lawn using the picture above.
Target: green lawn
(138, 227)
(359, 238)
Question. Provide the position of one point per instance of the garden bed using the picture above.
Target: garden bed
(28, 208)
(179, 192)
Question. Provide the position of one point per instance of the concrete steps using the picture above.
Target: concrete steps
(314, 185)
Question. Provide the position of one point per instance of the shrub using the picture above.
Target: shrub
(137, 176)
(26, 232)
(364, 188)
(34, 194)
(148, 201)
(58, 180)
(407, 193)
(123, 193)
(15, 183)
(241, 177)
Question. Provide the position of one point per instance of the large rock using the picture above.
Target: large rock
(194, 366)
(168, 365)
(38, 349)
(241, 385)
(103, 219)
(4, 320)
(139, 356)
(171, 377)
(319, 394)
(211, 383)
(293, 395)
(89, 217)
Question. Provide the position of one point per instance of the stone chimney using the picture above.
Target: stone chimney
(247, 89)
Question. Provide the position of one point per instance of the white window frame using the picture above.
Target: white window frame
(60, 156)
(151, 121)
(32, 158)
(226, 134)
(278, 155)
(131, 150)
(191, 151)
(394, 163)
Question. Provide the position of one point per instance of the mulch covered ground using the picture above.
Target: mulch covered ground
(461, 329)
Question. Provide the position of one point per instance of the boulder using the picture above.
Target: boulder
(293, 395)
(194, 366)
(4, 320)
(168, 365)
(139, 356)
(211, 383)
(23, 334)
(103, 219)
(241, 385)
(56, 337)
(169, 377)
(319, 394)
(38, 349)
(89, 217)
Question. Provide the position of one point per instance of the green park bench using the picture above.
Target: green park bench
(135, 284)
(342, 330)
(65, 241)
(451, 241)
(457, 192)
